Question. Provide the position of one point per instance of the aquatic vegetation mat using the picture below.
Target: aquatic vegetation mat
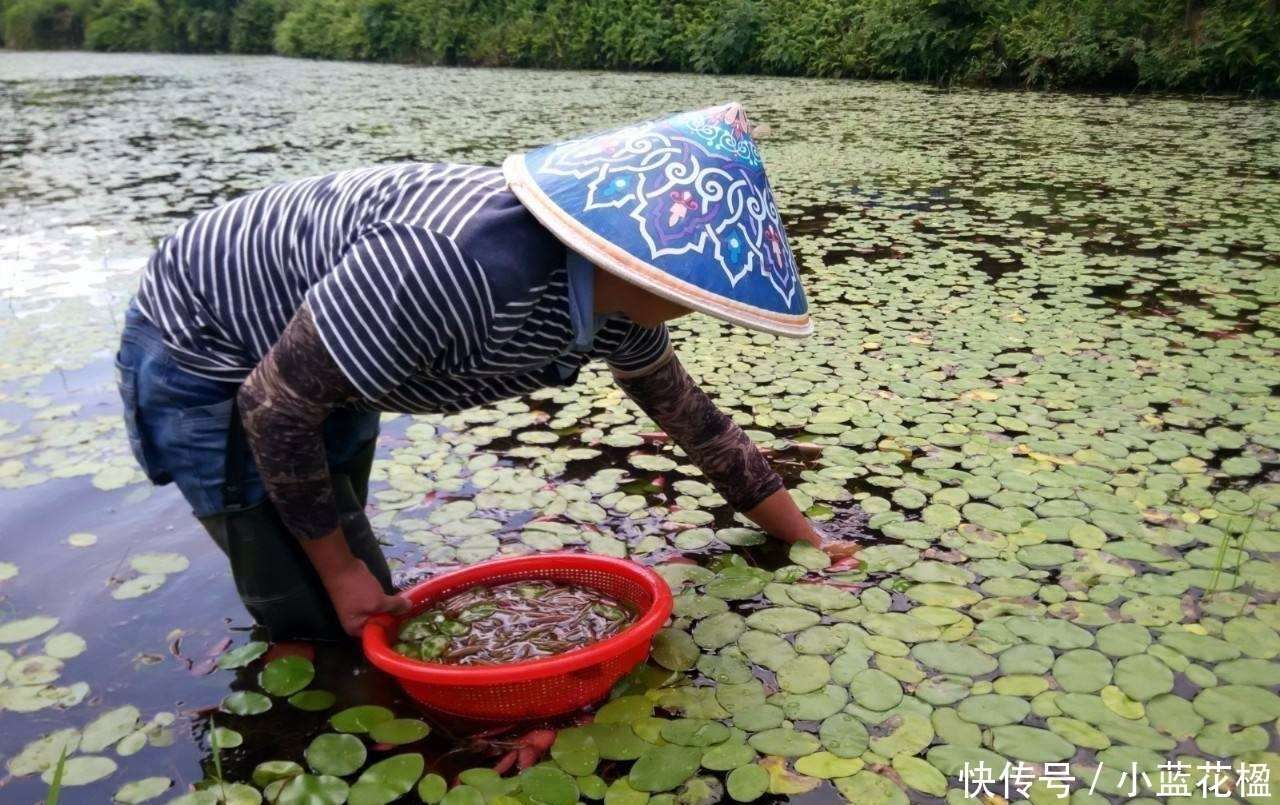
(525, 620)
(1042, 392)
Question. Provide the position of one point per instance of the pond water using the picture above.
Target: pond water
(1044, 385)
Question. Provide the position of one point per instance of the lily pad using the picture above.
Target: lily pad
(138, 586)
(782, 620)
(747, 783)
(663, 768)
(875, 690)
(144, 790)
(575, 751)
(82, 770)
(108, 728)
(826, 765)
(64, 646)
(993, 710)
(313, 700)
(245, 703)
(1243, 705)
(159, 563)
(804, 674)
(727, 756)
(718, 631)
(1031, 744)
(20, 631)
(916, 773)
(387, 780)
(285, 676)
(1082, 671)
(784, 742)
(675, 650)
(399, 731)
(241, 656)
(335, 754)
(308, 789)
(431, 788)
(360, 719)
(867, 786)
(1143, 677)
(954, 658)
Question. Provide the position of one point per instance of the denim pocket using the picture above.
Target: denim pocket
(127, 383)
(202, 432)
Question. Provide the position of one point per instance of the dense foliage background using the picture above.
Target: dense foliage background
(1157, 44)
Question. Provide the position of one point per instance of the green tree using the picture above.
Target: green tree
(121, 25)
(253, 26)
(44, 24)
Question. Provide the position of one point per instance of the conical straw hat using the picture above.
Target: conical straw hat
(679, 206)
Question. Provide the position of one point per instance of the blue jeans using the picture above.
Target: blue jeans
(178, 422)
(178, 427)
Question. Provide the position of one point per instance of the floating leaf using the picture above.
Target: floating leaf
(784, 742)
(148, 788)
(307, 789)
(399, 731)
(431, 789)
(245, 703)
(64, 646)
(20, 631)
(82, 770)
(242, 655)
(747, 783)
(675, 650)
(1031, 744)
(785, 782)
(108, 728)
(575, 751)
(285, 676)
(44, 752)
(271, 770)
(313, 700)
(727, 756)
(138, 586)
(335, 754)
(360, 719)
(387, 780)
(548, 785)
(804, 674)
(662, 768)
(828, 766)
(159, 563)
(225, 738)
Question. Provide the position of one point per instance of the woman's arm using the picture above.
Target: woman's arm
(283, 405)
(728, 457)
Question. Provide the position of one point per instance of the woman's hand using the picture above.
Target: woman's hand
(839, 549)
(357, 596)
(355, 593)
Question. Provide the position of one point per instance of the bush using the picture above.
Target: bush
(121, 25)
(253, 26)
(322, 29)
(44, 24)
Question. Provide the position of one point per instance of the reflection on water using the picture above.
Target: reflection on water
(1118, 256)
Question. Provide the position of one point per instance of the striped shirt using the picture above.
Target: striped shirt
(432, 287)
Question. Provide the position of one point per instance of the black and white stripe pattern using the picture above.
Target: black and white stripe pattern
(431, 286)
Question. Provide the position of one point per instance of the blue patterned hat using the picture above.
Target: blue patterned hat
(680, 207)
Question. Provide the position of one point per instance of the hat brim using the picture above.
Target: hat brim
(626, 266)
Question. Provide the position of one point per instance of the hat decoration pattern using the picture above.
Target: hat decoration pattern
(692, 184)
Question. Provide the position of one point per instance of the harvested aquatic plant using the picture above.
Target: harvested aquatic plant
(520, 620)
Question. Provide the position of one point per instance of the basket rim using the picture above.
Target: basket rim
(376, 636)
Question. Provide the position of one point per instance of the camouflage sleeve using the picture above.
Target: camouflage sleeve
(728, 457)
(283, 405)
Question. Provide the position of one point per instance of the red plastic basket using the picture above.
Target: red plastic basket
(532, 688)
